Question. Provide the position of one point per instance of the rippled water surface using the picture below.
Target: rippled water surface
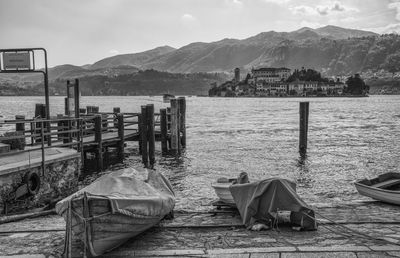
(349, 139)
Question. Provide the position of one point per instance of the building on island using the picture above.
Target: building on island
(269, 81)
(270, 74)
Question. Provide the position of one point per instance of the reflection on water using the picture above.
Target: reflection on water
(348, 139)
(303, 178)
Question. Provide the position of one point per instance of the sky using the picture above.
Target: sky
(82, 32)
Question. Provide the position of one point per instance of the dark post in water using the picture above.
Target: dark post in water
(150, 133)
(304, 110)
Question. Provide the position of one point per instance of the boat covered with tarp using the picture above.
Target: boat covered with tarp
(114, 208)
(385, 188)
(260, 202)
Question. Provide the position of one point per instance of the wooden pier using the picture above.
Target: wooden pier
(101, 134)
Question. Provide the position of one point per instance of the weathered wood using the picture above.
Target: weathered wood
(20, 126)
(76, 98)
(82, 110)
(150, 134)
(182, 120)
(40, 110)
(140, 133)
(304, 110)
(60, 127)
(98, 140)
(66, 107)
(143, 135)
(116, 110)
(121, 133)
(163, 126)
(174, 125)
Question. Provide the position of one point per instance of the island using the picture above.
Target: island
(280, 82)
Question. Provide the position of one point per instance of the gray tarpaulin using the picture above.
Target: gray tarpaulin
(259, 201)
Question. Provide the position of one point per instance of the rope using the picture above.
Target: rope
(349, 229)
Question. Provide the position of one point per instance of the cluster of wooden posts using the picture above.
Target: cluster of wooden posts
(172, 132)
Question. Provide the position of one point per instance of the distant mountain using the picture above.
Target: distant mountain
(335, 32)
(132, 59)
(331, 50)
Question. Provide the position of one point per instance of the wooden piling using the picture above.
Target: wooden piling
(174, 126)
(304, 110)
(66, 107)
(121, 133)
(182, 120)
(150, 133)
(163, 126)
(99, 141)
(143, 135)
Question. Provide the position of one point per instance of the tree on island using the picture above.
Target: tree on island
(356, 85)
(306, 75)
(392, 63)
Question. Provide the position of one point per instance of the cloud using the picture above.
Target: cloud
(280, 2)
(395, 5)
(114, 52)
(188, 18)
(234, 3)
(338, 7)
(303, 10)
(323, 10)
(390, 28)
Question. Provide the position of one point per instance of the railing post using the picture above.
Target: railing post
(304, 110)
(60, 127)
(163, 126)
(182, 120)
(174, 126)
(99, 141)
(150, 133)
(143, 135)
(121, 135)
(116, 111)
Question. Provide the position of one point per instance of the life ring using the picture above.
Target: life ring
(32, 180)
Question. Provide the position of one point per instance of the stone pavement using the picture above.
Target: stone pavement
(221, 234)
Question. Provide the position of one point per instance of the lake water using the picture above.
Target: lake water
(349, 139)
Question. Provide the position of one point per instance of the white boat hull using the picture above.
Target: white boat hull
(388, 196)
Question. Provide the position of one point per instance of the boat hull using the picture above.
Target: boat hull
(114, 209)
(223, 192)
(103, 233)
(383, 195)
(385, 188)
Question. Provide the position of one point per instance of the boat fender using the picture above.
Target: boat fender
(32, 179)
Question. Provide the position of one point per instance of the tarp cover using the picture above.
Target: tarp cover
(129, 195)
(258, 202)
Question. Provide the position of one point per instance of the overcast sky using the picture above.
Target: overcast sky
(84, 31)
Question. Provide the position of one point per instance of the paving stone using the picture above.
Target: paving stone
(230, 256)
(339, 248)
(385, 247)
(264, 255)
(17, 235)
(373, 255)
(319, 255)
(169, 253)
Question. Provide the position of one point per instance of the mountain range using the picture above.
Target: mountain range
(330, 50)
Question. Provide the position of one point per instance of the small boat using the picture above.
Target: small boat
(115, 208)
(223, 192)
(167, 97)
(385, 188)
